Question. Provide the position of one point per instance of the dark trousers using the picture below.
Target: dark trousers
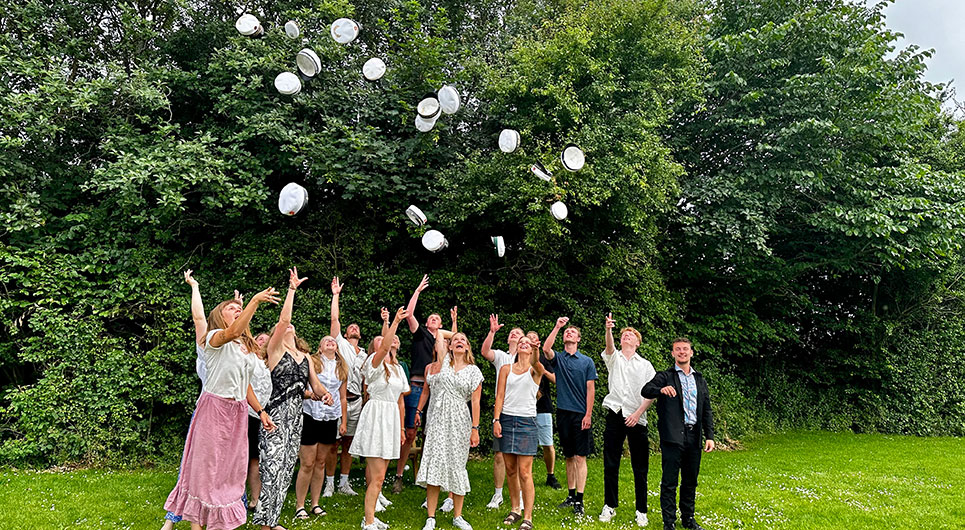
(613, 436)
(684, 461)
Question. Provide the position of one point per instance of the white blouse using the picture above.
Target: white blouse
(228, 369)
(318, 410)
(260, 383)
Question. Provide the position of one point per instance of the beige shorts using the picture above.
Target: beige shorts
(354, 411)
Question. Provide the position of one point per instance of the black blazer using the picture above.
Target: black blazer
(670, 410)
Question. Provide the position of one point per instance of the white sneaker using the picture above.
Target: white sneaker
(329, 489)
(379, 508)
(430, 523)
(461, 523)
(372, 526)
(385, 502)
(642, 519)
(425, 504)
(495, 502)
(447, 505)
(380, 524)
(607, 514)
(346, 489)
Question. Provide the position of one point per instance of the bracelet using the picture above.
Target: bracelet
(475, 427)
(417, 411)
(495, 421)
(259, 412)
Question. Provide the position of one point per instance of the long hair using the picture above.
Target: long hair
(341, 366)
(386, 361)
(469, 356)
(216, 321)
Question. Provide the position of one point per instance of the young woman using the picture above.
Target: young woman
(379, 435)
(261, 384)
(290, 374)
(451, 381)
(212, 480)
(514, 426)
(322, 426)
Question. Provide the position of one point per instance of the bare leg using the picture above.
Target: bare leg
(525, 471)
(549, 458)
(432, 499)
(195, 526)
(254, 483)
(404, 451)
(346, 457)
(580, 465)
(318, 477)
(306, 455)
(375, 471)
(499, 471)
(331, 459)
(168, 525)
(457, 501)
(512, 473)
(571, 472)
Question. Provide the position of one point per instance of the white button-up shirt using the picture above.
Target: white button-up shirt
(627, 378)
(355, 362)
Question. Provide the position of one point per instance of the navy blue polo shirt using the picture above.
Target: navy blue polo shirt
(572, 373)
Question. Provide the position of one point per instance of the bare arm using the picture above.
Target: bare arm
(486, 349)
(319, 389)
(610, 348)
(413, 323)
(336, 327)
(385, 321)
(590, 394)
(454, 312)
(474, 436)
(500, 397)
(551, 338)
(241, 323)
(386, 345)
(343, 396)
(262, 415)
(197, 309)
(275, 349)
(402, 420)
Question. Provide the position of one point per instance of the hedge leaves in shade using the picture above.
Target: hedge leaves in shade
(763, 176)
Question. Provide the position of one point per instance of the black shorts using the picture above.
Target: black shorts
(573, 439)
(318, 432)
(254, 428)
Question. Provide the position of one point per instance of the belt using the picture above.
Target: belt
(351, 397)
(689, 426)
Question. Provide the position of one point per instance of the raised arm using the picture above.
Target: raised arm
(275, 350)
(241, 323)
(386, 345)
(487, 345)
(410, 309)
(197, 309)
(551, 338)
(609, 335)
(454, 312)
(385, 321)
(336, 328)
(439, 349)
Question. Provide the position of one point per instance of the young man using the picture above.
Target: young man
(626, 419)
(354, 355)
(575, 389)
(423, 347)
(499, 358)
(683, 412)
(544, 413)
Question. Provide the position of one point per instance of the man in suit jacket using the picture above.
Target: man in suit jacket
(683, 412)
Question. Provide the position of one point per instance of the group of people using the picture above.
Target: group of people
(268, 400)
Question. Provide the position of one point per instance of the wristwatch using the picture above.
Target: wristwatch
(495, 420)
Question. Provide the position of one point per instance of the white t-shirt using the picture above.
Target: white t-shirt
(355, 362)
(228, 369)
(500, 359)
(627, 378)
(261, 384)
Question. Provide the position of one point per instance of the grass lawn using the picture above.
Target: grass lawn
(796, 481)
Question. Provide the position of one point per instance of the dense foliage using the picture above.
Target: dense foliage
(764, 176)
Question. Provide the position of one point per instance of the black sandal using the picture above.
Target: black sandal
(251, 508)
(300, 514)
(527, 525)
(512, 518)
(318, 510)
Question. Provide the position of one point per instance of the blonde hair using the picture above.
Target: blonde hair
(635, 332)
(386, 361)
(341, 367)
(469, 356)
(216, 321)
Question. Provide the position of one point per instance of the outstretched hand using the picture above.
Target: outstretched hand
(293, 280)
(454, 312)
(336, 286)
(401, 314)
(562, 321)
(494, 324)
(609, 321)
(423, 284)
(190, 279)
(385, 314)
(268, 295)
(239, 298)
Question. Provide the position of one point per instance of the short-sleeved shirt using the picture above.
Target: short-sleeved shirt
(500, 359)
(228, 369)
(328, 377)
(423, 344)
(626, 378)
(544, 404)
(355, 360)
(572, 373)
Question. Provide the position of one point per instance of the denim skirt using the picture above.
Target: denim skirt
(519, 435)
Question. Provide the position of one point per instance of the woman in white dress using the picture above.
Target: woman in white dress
(379, 435)
(453, 379)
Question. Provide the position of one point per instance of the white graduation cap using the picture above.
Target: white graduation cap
(572, 158)
(508, 140)
(541, 172)
(288, 83)
(249, 26)
(434, 241)
(429, 108)
(292, 199)
(373, 69)
(559, 211)
(416, 215)
(291, 29)
(500, 246)
(425, 124)
(448, 99)
(308, 62)
(345, 30)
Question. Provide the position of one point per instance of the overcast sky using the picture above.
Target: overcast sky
(935, 24)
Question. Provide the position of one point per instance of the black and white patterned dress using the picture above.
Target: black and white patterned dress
(449, 427)
(279, 449)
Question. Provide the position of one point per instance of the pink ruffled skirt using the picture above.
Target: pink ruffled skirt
(214, 465)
